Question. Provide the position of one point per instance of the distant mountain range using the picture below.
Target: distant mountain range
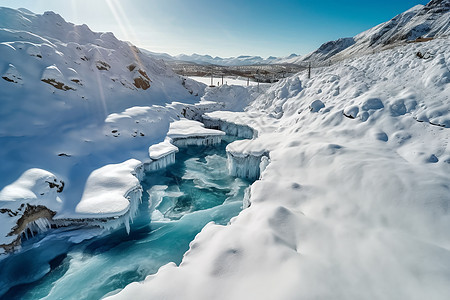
(243, 60)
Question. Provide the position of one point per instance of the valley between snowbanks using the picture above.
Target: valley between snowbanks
(111, 196)
(355, 201)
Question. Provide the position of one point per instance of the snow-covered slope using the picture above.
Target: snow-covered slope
(418, 24)
(73, 101)
(326, 50)
(355, 201)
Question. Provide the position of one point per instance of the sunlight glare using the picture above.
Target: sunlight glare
(123, 22)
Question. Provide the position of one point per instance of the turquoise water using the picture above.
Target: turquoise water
(177, 203)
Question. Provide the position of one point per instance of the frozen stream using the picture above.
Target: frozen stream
(179, 202)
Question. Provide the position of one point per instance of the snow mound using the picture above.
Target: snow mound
(107, 188)
(12, 75)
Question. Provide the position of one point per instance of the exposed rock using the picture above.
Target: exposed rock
(12, 75)
(102, 66)
(141, 81)
(53, 76)
(58, 85)
(55, 184)
(29, 215)
(131, 67)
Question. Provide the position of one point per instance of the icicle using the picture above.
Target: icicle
(127, 225)
(161, 163)
(197, 141)
(247, 166)
(36, 227)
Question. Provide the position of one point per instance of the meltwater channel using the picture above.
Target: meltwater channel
(177, 203)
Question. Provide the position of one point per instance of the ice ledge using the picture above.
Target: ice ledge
(245, 158)
(111, 197)
(188, 132)
(161, 150)
(248, 166)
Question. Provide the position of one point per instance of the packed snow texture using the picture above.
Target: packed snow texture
(354, 203)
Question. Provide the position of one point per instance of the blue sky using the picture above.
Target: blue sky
(224, 28)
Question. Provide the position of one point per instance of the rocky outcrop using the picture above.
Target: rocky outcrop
(28, 222)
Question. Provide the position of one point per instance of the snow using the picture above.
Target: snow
(235, 127)
(162, 149)
(12, 75)
(105, 193)
(234, 98)
(185, 128)
(355, 196)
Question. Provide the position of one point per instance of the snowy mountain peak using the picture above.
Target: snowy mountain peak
(418, 24)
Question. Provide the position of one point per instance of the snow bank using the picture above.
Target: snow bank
(105, 193)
